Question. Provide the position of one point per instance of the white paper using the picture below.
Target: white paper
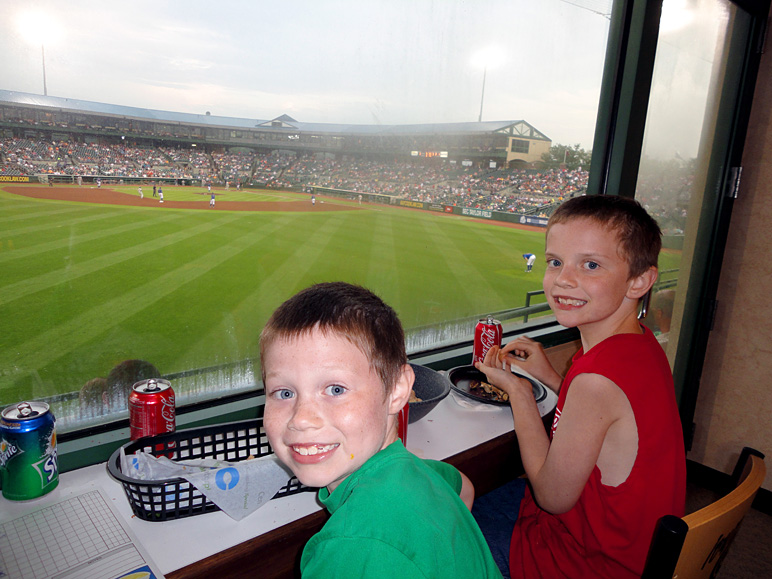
(238, 488)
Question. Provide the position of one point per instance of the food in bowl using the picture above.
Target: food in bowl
(489, 391)
(430, 388)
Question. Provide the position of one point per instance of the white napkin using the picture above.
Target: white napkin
(477, 405)
(238, 488)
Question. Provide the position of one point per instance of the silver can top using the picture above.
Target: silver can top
(151, 386)
(25, 410)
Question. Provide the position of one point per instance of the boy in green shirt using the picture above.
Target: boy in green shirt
(336, 376)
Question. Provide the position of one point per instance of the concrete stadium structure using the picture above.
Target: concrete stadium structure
(488, 144)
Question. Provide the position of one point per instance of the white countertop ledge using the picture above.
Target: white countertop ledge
(447, 430)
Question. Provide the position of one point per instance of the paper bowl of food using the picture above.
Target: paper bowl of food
(429, 388)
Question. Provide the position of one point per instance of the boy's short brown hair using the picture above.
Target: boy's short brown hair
(640, 238)
(347, 310)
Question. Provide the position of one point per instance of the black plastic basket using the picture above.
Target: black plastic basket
(175, 498)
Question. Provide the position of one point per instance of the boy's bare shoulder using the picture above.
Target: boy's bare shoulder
(595, 389)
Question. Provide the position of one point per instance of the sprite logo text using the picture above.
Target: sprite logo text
(7, 452)
(47, 468)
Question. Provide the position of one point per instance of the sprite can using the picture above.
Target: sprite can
(28, 466)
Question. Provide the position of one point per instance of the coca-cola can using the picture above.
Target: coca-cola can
(487, 333)
(151, 408)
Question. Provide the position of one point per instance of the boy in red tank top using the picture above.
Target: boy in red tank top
(614, 460)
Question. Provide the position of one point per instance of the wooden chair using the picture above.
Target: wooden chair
(694, 546)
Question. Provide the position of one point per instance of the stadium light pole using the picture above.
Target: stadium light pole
(39, 29)
(486, 58)
(43, 51)
(482, 96)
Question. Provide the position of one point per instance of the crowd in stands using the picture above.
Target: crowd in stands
(507, 190)
(666, 197)
(29, 157)
(233, 166)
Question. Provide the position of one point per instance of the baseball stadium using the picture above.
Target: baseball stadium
(168, 238)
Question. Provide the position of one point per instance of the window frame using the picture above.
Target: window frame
(618, 147)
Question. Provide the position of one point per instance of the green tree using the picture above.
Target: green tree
(573, 157)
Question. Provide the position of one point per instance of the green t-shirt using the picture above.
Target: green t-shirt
(398, 516)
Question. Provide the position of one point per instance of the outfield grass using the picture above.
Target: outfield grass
(175, 193)
(85, 286)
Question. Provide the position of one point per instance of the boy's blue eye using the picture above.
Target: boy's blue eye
(283, 394)
(335, 390)
(553, 263)
(592, 265)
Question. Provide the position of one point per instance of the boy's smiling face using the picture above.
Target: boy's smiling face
(588, 283)
(326, 412)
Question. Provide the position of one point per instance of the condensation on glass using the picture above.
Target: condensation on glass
(687, 86)
(451, 62)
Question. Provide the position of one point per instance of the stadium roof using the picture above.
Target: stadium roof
(520, 127)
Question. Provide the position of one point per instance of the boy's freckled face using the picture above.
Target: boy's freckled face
(325, 412)
(587, 280)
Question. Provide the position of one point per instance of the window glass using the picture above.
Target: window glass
(681, 129)
(519, 146)
(416, 148)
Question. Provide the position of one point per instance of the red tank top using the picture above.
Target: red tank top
(608, 532)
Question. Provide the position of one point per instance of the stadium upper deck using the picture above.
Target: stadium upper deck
(483, 144)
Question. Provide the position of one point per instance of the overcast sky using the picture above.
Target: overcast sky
(330, 61)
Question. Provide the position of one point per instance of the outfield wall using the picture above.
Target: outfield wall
(674, 242)
(436, 207)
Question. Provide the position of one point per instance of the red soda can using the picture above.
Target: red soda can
(151, 408)
(487, 333)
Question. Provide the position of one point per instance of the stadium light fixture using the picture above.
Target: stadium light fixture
(38, 29)
(486, 58)
(675, 16)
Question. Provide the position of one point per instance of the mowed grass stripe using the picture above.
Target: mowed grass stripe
(463, 269)
(383, 274)
(40, 223)
(39, 351)
(51, 279)
(11, 213)
(288, 275)
(496, 253)
(440, 284)
(72, 240)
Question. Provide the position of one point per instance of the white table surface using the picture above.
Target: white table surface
(447, 430)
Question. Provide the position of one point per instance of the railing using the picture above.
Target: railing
(461, 330)
(662, 283)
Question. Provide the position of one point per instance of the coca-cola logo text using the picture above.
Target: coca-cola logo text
(168, 413)
(487, 339)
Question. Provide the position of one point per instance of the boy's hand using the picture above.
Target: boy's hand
(529, 355)
(497, 370)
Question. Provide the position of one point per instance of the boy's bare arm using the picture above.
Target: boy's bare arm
(467, 491)
(559, 470)
(558, 477)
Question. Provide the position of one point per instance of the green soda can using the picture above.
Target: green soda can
(28, 466)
